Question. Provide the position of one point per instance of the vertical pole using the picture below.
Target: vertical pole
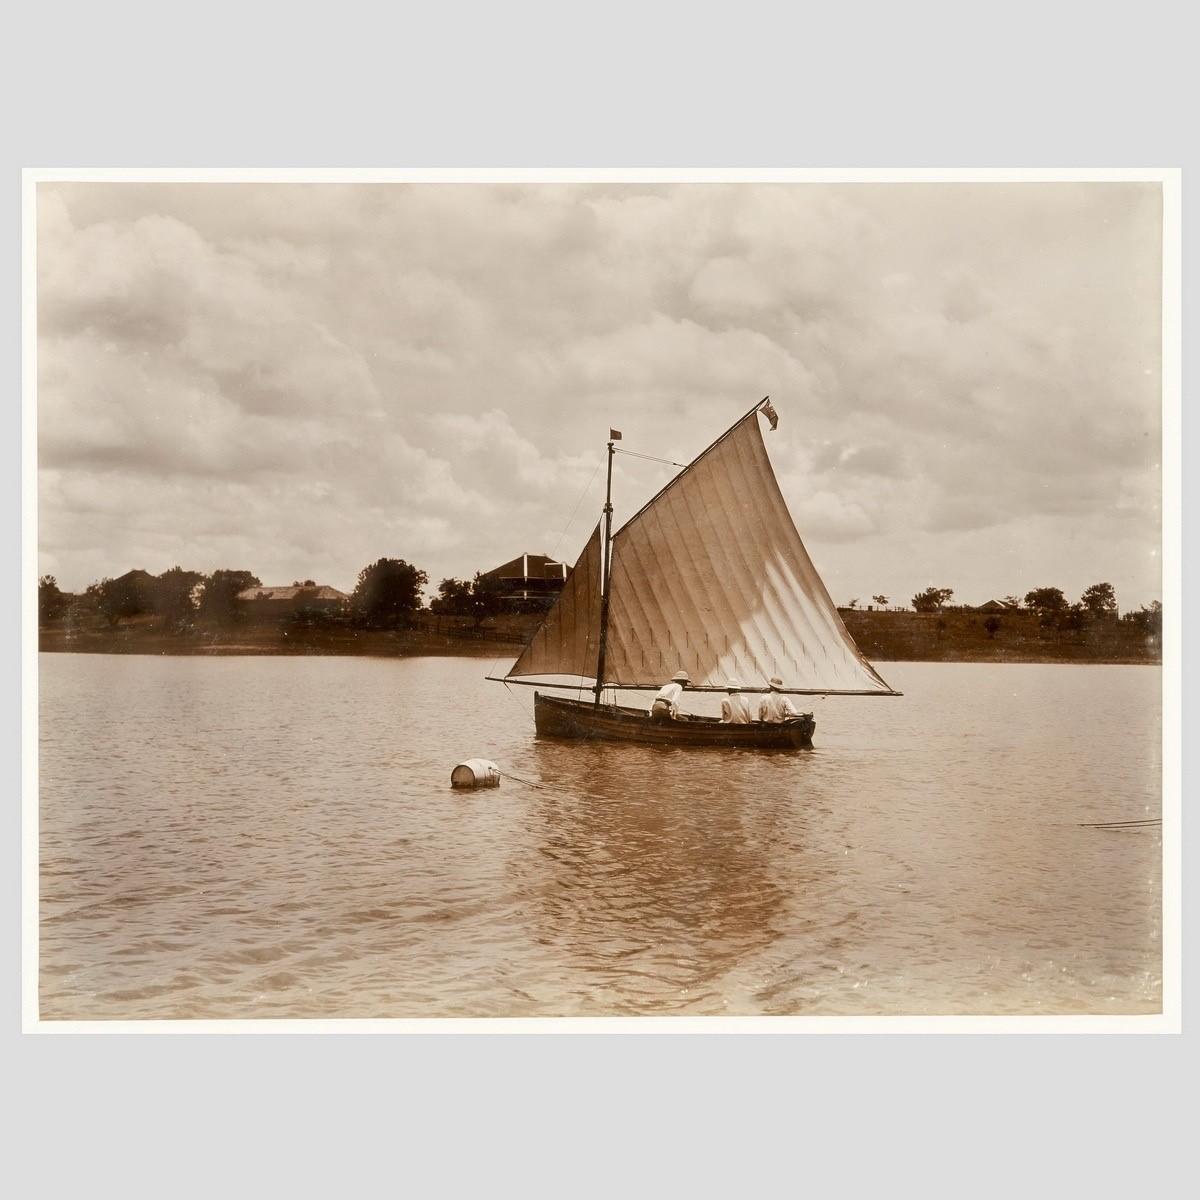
(606, 569)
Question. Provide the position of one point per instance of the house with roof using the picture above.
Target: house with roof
(272, 603)
(997, 606)
(529, 581)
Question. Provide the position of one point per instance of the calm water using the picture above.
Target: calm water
(271, 837)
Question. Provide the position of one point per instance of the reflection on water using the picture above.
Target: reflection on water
(651, 879)
(277, 837)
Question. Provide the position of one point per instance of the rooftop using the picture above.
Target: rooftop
(529, 566)
(322, 592)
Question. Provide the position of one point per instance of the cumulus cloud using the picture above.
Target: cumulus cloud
(300, 378)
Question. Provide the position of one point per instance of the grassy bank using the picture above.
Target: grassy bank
(432, 635)
(882, 636)
(963, 637)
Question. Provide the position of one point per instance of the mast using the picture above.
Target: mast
(605, 572)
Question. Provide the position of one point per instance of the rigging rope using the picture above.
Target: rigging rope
(513, 696)
(647, 457)
(587, 488)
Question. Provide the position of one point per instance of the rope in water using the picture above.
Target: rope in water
(1121, 824)
(527, 782)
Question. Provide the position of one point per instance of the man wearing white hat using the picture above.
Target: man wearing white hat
(775, 707)
(735, 708)
(666, 703)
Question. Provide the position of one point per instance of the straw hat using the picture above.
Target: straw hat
(775, 682)
(681, 677)
(733, 686)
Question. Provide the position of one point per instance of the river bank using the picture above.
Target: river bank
(882, 637)
(1018, 637)
(276, 640)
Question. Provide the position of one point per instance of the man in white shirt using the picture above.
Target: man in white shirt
(735, 708)
(666, 703)
(776, 707)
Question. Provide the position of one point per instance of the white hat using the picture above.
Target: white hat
(775, 681)
(681, 677)
(733, 686)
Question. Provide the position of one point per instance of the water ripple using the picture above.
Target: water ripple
(275, 837)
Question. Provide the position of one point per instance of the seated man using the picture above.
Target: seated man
(735, 708)
(666, 703)
(775, 707)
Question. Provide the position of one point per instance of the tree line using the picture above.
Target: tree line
(388, 593)
(1053, 609)
(175, 595)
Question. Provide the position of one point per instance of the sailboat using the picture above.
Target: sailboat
(709, 577)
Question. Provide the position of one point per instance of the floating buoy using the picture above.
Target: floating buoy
(475, 773)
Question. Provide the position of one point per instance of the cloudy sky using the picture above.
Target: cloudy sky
(299, 379)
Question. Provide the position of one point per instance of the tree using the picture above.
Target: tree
(1073, 619)
(309, 610)
(932, 599)
(486, 600)
(1013, 600)
(388, 592)
(1100, 599)
(992, 625)
(133, 594)
(478, 599)
(218, 595)
(1148, 620)
(51, 602)
(882, 601)
(453, 599)
(94, 598)
(173, 600)
(854, 602)
(1046, 600)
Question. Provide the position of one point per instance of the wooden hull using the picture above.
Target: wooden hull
(554, 716)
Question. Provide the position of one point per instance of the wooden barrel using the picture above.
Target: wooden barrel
(475, 773)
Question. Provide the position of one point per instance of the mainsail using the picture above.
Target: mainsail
(711, 577)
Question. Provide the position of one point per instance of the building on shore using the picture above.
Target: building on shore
(527, 582)
(273, 603)
(997, 606)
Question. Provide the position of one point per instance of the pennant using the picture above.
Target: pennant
(614, 435)
(768, 411)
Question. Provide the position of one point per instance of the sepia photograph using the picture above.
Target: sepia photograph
(712, 599)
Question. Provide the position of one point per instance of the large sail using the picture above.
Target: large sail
(567, 642)
(712, 577)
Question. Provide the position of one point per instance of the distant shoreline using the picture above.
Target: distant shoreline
(1019, 637)
(275, 642)
(882, 637)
